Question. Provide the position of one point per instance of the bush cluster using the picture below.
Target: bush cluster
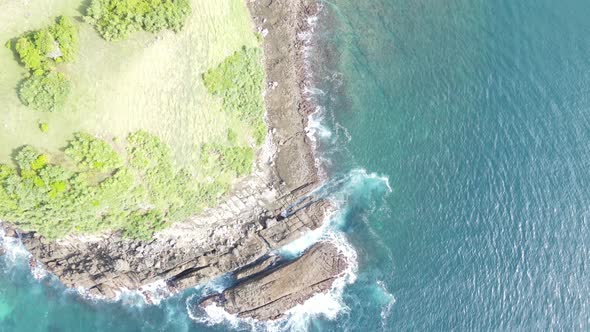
(47, 92)
(40, 51)
(117, 19)
(139, 194)
(91, 153)
(238, 80)
(236, 160)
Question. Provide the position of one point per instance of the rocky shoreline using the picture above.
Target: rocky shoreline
(243, 230)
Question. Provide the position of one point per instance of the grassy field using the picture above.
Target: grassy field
(150, 81)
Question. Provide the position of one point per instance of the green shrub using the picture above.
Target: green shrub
(66, 36)
(40, 50)
(142, 192)
(91, 153)
(232, 136)
(117, 19)
(234, 159)
(47, 92)
(238, 80)
(44, 127)
(260, 132)
(32, 50)
(143, 225)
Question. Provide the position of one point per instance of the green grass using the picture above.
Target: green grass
(171, 148)
(150, 82)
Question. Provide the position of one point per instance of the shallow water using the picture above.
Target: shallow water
(456, 135)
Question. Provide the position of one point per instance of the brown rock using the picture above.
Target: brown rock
(269, 295)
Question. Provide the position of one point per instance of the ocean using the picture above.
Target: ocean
(456, 141)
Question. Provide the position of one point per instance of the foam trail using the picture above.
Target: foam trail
(315, 127)
(390, 301)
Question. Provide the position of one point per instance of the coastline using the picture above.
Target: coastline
(244, 229)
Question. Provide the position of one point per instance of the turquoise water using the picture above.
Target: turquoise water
(478, 112)
(457, 140)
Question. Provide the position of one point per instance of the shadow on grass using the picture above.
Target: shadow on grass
(11, 45)
(83, 8)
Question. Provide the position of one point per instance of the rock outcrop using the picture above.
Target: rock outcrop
(230, 236)
(269, 293)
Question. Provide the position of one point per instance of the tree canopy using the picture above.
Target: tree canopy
(117, 19)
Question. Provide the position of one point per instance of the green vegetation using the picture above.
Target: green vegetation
(91, 153)
(232, 136)
(44, 127)
(229, 159)
(39, 51)
(114, 84)
(117, 19)
(75, 183)
(45, 93)
(239, 81)
(138, 194)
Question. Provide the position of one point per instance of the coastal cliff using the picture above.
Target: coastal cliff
(250, 222)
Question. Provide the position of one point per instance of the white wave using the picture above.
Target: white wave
(154, 292)
(341, 192)
(38, 271)
(315, 127)
(150, 294)
(296, 247)
(218, 284)
(213, 314)
(313, 91)
(14, 251)
(360, 175)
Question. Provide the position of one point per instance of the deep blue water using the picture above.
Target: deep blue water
(478, 112)
(457, 140)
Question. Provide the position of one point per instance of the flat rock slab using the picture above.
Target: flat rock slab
(268, 296)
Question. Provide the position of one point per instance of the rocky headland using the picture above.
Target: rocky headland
(254, 220)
